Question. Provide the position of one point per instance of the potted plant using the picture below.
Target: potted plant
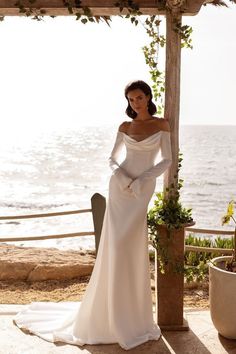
(166, 223)
(222, 286)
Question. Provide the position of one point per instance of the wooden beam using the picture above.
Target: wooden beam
(98, 7)
(192, 7)
(57, 8)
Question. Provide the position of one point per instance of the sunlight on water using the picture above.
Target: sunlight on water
(61, 170)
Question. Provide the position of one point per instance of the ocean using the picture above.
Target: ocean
(61, 170)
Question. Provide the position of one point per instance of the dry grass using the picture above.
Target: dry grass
(197, 297)
(19, 292)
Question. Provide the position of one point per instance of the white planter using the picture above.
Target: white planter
(222, 296)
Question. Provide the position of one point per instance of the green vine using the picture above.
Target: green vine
(131, 8)
(151, 25)
(30, 11)
(84, 13)
(170, 213)
(133, 13)
(128, 9)
(151, 52)
(185, 33)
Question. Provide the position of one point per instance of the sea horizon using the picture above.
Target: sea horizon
(54, 171)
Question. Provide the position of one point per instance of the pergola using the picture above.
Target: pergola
(170, 299)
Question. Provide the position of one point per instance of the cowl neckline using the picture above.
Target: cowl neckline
(143, 140)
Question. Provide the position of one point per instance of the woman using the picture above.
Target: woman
(117, 304)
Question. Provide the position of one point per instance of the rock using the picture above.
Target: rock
(35, 264)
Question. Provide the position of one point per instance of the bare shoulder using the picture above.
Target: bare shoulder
(124, 127)
(162, 124)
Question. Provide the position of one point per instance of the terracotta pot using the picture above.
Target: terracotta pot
(222, 295)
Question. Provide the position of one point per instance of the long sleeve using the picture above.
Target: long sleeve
(122, 178)
(159, 168)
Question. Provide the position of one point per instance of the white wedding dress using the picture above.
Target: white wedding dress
(117, 304)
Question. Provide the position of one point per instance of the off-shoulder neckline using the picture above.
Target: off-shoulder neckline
(148, 137)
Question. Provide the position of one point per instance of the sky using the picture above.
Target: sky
(59, 73)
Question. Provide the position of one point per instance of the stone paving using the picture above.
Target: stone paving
(202, 338)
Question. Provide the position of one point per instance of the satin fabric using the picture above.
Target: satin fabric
(117, 304)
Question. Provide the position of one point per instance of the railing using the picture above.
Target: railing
(222, 251)
(98, 206)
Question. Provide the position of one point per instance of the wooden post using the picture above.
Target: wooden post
(172, 88)
(170, 285)
(98, 203)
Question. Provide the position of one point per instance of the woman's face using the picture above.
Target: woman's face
(138, 100)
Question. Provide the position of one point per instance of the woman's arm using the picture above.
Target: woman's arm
(122, 178)
(165, 163)
(157, 169)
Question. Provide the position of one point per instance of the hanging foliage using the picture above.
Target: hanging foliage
(128, 9)
(151, 53)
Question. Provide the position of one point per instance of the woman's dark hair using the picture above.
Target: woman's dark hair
(143, 86)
